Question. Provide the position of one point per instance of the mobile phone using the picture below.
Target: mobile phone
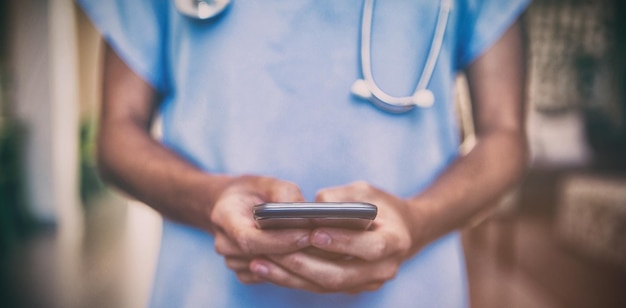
(350, 215)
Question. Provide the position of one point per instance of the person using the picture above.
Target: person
(256, 107)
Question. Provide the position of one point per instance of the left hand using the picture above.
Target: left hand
(377, 253)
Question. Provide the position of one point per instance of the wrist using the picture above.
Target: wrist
(190, 198)
(421, 223)
(211, 186)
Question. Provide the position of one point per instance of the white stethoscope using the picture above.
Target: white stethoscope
(201, 9)
(364, 88)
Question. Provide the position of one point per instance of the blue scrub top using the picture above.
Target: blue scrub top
(265, 89)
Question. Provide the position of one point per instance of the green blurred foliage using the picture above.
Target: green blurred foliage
(91, 186)
(15, 220)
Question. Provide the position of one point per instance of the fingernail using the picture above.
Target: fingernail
(304, 241)
(321, 239)
(260, 269)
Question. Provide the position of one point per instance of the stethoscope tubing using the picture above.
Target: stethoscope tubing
(365, 88)
(380, 97)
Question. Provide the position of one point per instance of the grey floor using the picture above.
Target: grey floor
(110, 264)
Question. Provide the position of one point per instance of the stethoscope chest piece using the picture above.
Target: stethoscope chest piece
(201, 9)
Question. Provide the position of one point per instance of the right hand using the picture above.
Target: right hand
(236, 236)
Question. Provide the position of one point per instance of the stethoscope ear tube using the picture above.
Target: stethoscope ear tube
(367, 89)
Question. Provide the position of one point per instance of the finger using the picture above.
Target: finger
(323, 254)
(226, 247)
(242, 237)
(334, 194)
(357, 191)
(366, 245)
(366, 288)
(235, 219)
(237, 264)
(229, 248)
(285, 192)
(275, 274)
(248, 277)
(248, 241)
(252, 241)
(337, 276)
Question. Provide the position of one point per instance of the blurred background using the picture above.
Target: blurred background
(557, 240)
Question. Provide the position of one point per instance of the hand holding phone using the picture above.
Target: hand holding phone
(349, 215)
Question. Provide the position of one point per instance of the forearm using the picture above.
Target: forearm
(143, 168)
(133, 161)
(472, 184)
(475, 181)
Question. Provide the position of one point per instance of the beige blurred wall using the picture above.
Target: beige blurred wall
(89, 66)
(45, 97)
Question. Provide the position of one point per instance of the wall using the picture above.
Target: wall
(43, 57)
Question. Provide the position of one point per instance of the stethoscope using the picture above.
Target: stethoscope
(364, 88)
(201, 9)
